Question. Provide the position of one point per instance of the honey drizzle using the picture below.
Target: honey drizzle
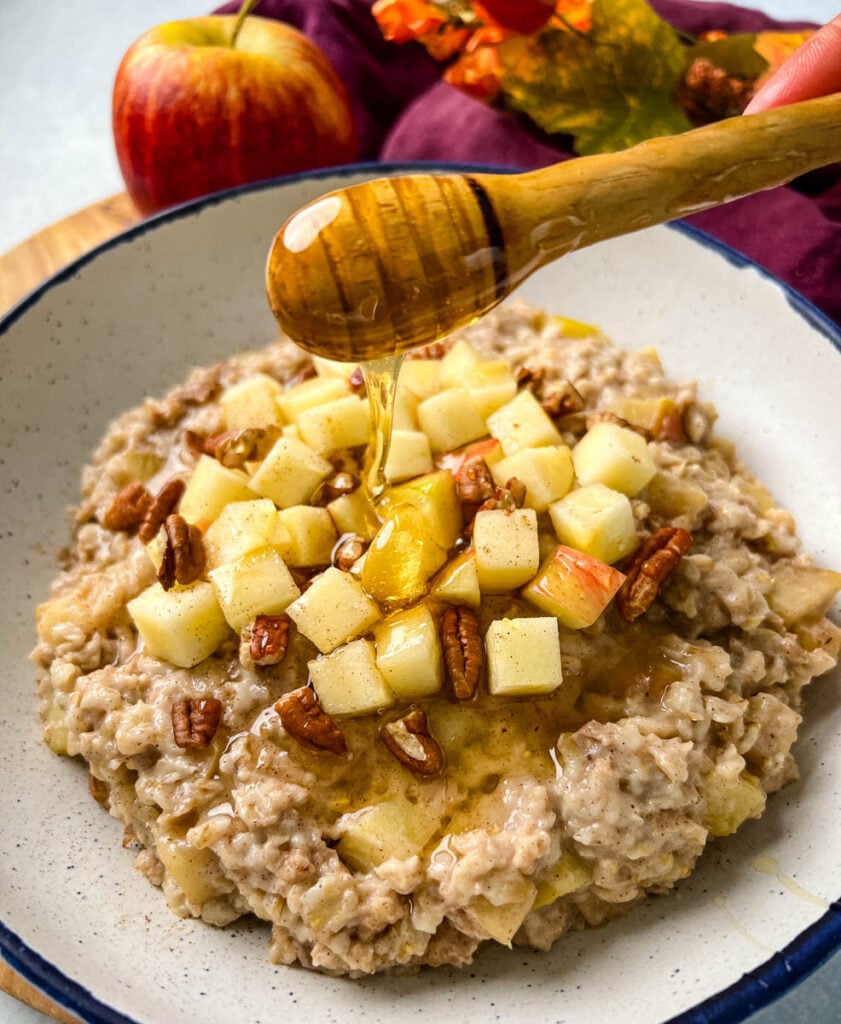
(381, 382)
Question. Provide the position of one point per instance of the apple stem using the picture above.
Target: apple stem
(246, 8)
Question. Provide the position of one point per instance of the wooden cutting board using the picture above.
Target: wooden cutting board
(22, 269)
(28, 264)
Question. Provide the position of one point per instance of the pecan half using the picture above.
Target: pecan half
(410, 741)
(656, 557)
(184, 556)
(129, 508)
(308, 723)
(463, 651)
(162, 506)
(269, 639)
(195, 721)
(348, 551)
(474, 481)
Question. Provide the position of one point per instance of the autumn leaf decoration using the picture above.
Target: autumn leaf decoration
(608, 72)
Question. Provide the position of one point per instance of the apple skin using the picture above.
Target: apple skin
(193, 115)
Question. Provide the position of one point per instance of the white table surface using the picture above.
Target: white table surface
(57, 63)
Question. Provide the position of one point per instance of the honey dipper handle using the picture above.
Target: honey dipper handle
(573, 204)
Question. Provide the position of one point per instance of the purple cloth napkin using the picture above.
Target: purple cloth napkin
(404, 112)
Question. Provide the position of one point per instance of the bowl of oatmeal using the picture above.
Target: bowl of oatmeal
(418, 833)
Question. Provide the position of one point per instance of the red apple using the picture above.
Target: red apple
(574, 587)
(193, 114)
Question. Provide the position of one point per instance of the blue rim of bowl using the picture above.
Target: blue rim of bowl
(758, 988)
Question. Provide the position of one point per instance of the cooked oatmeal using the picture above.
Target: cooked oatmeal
(371, 836)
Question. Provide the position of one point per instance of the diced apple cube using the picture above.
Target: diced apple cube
(803, 592)
(450, 419)
(401, 558)
(309, 394)
(574, 328)
(574, 587)
(409, 455)
(659, 416)
(506, 548)
(211, 487)
(312, 536)
(492, 385)
(434, 496)
(457, 363)
(523, 656)
(183, 625)
(348, 682)
(569, 874)
(394, 829)
(241, 527)
(501, 923)
(614, 456)
(334, 368)
(522, 423)
(408, 650)
(290, 473)
(334, 609)
(458, 582)
(252, 403)
(342, 423)
(422, 377)
(257, 583)
(596, 520)
(670, 496)
(354, 513)
(731, 798)
(405, 415)
(546, 472)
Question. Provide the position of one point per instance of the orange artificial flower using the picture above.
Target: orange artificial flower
(477, 72)
(445, 42)
(403, 20)
(574, 14)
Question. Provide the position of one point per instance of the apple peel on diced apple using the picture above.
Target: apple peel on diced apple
(574, 587)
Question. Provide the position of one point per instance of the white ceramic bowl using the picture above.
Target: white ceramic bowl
(187, 288)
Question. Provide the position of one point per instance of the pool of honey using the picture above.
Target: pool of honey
(489, 740)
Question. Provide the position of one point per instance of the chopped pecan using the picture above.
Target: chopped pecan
(234, 448)
(307, 722)
(194, 442)
(306, 372)
(435, 350)
(411, 742)
(163, 505)
(269, 638)
(356, 381)
(129, 508)
(532, 380)
(195, 721)
(656, 557)
(561, 399)
(463, 651)
(335, 486)
(474, 482)
(184, 557)
(348, 551)
(303, 580)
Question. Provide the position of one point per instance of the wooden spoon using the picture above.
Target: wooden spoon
(392, 263)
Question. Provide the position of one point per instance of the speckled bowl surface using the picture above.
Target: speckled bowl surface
(187, 289)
